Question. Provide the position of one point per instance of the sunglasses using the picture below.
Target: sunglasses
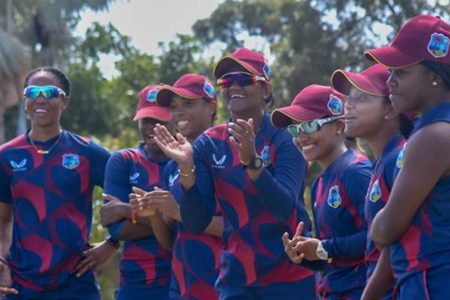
(241, 78)
(47, 91)
(310, 127)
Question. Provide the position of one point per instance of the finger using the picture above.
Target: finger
(138, 191)
(180, 138)
(299, 230)
(8, 291)
(236, 127)
(238, 135)
(247, 126)
(285, 239)
(109, 198)
(235, 143)
(163, 134)
(299, 258)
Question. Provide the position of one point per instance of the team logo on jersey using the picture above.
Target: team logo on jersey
(267, 71)
(375, 192)
(173, 177)
(400, 157)
(335, 105)
(18, 166)
(70, 161)
(265, 155)
(209, 90)
(134, 177)
(151, 96)
(438, 45)
(219, 162)
(334, 199)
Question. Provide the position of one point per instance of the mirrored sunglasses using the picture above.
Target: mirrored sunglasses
(241, 78)
(310, 127)
(47, 91)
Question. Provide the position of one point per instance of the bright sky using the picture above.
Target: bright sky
(148, 22)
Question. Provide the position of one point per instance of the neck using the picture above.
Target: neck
(379, 141)
(42, 134)
(192, 138)
(330, 158)
(442, 98)
(257, 118)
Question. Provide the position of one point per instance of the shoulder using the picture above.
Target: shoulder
(357, 167)
(14, 143)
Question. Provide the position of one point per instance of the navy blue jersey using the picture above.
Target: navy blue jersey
(196, 256)
(384, 172)
(256, 213)
(425, 244)
(338, 197)
(145, 263)
(51, 200)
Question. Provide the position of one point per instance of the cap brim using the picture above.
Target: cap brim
(342, 81)
(154, 112)
(222, 67)
(165, 95)
(391, 57)
(285, 116)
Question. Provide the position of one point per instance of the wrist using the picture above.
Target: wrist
(112, 242)
(3, 261)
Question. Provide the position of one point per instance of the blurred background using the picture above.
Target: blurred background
(110, 51)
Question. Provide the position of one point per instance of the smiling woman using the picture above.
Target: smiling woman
(46, 183)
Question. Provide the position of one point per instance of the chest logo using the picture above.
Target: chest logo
(334, 199)
(218, 162)
(70, 161)
(173, 177)
(375, 192)
(134, 177)
(18, 166)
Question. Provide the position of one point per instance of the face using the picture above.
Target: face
(146, 126)
(364, 114)
(319, 145)
(191, 116)
(410, 88)
(45, 112)
(243, 99)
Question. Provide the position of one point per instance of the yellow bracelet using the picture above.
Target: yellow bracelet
(187, 174)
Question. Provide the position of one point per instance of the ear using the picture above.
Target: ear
(65, 103)
(340, 126)
(213, 106)
(436, 80)
(267, 90)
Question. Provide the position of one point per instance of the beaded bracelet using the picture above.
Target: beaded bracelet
(187, 174)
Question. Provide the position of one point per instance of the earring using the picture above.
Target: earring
(434, 83)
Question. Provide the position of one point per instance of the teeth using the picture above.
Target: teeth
(308, 147)
(182, 123)
(40, 110)
(237, 96)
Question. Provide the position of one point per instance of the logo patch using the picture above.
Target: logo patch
(375, 192)
(218, 163)
(335, 105)
(18, 166)
(134, 177)
(151, 96)
(209, 90)
(265, 155)
(438, 45)
(70, 161)
(334, 199)
(267, 71)
(173, 177)
(400, 157)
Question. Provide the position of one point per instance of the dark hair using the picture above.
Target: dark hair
(63, 79)
(442, 70)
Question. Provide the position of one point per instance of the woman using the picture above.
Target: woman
(369, 115)
(415, 222)
(195, 260)
(46, 180)
(315, 121)
(145, 263)
(254, 172)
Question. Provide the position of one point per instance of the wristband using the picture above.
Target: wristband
(187, 174)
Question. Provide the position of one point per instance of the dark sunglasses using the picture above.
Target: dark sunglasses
(310, 127)
(241, 78)
(47, 91)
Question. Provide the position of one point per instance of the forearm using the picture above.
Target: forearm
(215, 228)
(283, 204)
(382, 278)
(350, 246)
(5, 229)
(162, 231)
(136, 231)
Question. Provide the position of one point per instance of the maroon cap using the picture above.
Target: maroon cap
(313, 102)
(421, 38)
(251, 61)
(371, 81)
(189, 86)
(147, 106)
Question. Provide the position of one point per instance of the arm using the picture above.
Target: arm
(5, 228)
(215, 227)
(382, 278)
(426, 160)
(163, 230)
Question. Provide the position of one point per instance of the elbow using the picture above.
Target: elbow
(195, 224)
(380, 234)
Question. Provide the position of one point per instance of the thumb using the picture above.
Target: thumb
(109, 198)
(138, 191)
(299, 230)
(157, 188)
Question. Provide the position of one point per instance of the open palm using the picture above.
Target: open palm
(178, 149)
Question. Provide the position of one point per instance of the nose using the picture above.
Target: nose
(392, 80)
